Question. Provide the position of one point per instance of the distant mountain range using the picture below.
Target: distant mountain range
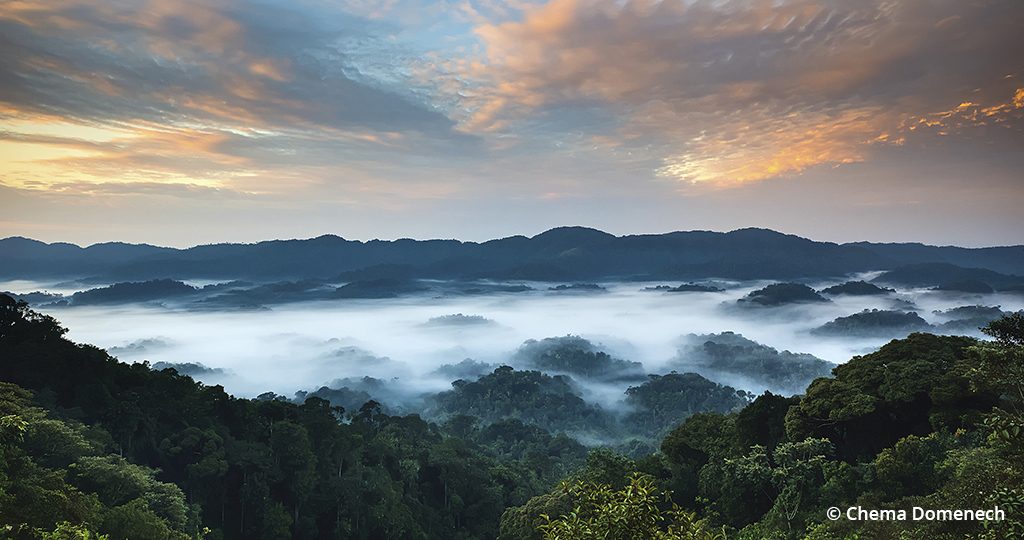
(561, 254)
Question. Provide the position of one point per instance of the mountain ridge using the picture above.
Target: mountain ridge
(560, 253)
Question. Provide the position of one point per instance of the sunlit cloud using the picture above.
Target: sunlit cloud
(732, 92)
(192, 93)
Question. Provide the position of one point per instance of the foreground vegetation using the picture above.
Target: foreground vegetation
(94, 448)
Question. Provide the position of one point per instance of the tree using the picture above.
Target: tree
(630, 513)
(69, 531)
(18, 323)
(1000, 366)
(666, 400)
(136, 520)
(294, 460)
(791, 476)
(911, 386)
(762, 422)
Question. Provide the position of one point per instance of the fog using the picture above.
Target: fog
(303, 346)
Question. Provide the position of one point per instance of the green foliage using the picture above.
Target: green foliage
(706, 433)
(602, 466)
(909, 386)
(665, 400)
(632, 512)
(794, 474)
(874, 322)
(763, 421)
(925, 421)
(68, 531)
(136, 453)
(913, 466)
(529, 396)
(542, 457)
(53, 483)
(576, 356)
(968, 319)
(136, 519)
(732, 357)
(19, 324)
(524, 522)
(999, 366)
(117, 482)
(91, 448)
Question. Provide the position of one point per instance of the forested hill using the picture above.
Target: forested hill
(98, 445)
(566, 253)
(91, 448)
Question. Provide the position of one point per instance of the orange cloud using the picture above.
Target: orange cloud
(732, 92)
(270, 69)
(195, 39)
(762, 146)
(179, 92)
(969, 114)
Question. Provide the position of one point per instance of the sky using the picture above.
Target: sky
(180, 122)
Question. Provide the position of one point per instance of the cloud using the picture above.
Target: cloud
(207, 61)
(191, 90)
(418, 117)
(705, 92)
(729, 92)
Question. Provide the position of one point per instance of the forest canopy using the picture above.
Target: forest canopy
(95, 448)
